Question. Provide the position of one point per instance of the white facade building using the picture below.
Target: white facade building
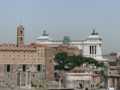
(80, 81)
(90, 47)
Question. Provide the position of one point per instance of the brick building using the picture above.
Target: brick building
(21, 65)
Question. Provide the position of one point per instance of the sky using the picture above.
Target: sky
(74, 18)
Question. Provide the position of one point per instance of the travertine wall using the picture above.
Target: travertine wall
(27, 55)
(49, 54)
(31, 57)
(19, 78)
(19, 63)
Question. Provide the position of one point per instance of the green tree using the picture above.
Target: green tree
(65, 62)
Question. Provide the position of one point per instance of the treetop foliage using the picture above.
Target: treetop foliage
(65, 62)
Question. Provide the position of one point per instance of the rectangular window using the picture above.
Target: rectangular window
(39, 68)
(8, 67)
(24, 68)
(95, 49)
(90, 50)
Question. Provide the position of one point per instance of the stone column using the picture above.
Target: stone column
(94, 50)
(115, 83)
(20, 79)
(26, 79)
(30, 79)
(110, 82)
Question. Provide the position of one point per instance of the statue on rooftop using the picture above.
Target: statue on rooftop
(94, 32)
(45, 33)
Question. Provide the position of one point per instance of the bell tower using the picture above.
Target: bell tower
(20, 36)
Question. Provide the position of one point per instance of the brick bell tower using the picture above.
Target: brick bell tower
(20, 36)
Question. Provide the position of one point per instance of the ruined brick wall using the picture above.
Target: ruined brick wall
(49, 64)
(18, 77)
(12, 60)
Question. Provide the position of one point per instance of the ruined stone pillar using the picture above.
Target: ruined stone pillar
(110, 82)
(30, 79)
(20, 79)
(115, 83)
(26, 79)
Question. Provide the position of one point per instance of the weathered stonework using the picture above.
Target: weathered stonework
(24, 66)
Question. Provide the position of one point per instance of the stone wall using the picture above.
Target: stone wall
(20, 76)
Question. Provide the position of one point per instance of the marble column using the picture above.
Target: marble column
(26, 79)
(110, 82)
(20, 79)
(115, 83)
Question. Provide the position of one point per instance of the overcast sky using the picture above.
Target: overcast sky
(75, 18)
